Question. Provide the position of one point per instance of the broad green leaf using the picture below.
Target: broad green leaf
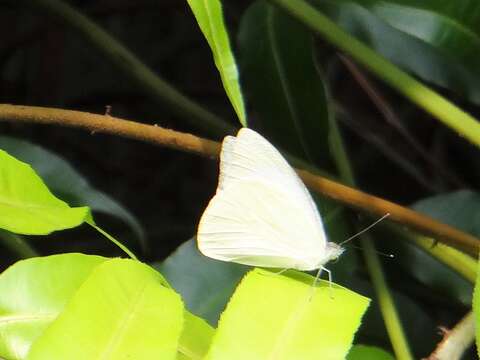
(205, 284)
(436, 40)
(195, 339)
(428, 271)
(271, 316)
(364, 352)
(459, 209)
(122, 311)
(66, 183)
(209, 16)
(33, 292)
(26, 204)
(277, 60)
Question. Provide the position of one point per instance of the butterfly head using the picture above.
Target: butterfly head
(333, 251)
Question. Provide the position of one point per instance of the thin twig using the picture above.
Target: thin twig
(187, 142)
(392, 119)
(455, 341)
(386, 151)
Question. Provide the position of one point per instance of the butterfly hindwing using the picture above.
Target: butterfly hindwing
(255, 224)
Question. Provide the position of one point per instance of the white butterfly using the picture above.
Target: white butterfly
(262, 214)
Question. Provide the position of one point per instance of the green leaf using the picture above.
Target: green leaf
(463, 264)
(210, 19)
(26, 204)
(364, 352)
(435, 40)
(476, 310)
(282, 80)
(195, 339)
(17, 245)
(33, 292)
(459, 209)
(65, 182)
(205, 284)
(122, 311)
(271, 316)
(428, 271)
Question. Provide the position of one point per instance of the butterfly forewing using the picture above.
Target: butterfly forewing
(249, 156)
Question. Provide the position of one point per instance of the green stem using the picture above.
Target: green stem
(463, 264)
(112, 239)
(129, 64)
(385, 299)
(17, 245)
(452, 116)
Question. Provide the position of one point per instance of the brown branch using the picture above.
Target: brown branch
(187, 142)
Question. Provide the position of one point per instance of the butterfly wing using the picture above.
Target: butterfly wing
(262, 213)
(253, 223)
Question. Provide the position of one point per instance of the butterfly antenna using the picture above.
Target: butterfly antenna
(366, 229)
(378, 252)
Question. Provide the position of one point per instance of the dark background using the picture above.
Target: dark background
(45, 63)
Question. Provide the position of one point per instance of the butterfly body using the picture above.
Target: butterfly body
(262, 214)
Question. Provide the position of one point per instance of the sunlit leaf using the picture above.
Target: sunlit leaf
(122, 311)
(67, 183)
(272, 316)
(195, 339)
(33, 292)
(364, 352)
(210, 19)
(26, 204)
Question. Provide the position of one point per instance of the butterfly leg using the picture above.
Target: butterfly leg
(315, 281)
(329, 280)
(281, 271)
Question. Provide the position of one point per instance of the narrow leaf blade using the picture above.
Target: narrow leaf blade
(277, 58)
(435, 40)
(209, 16)
(476, 310)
